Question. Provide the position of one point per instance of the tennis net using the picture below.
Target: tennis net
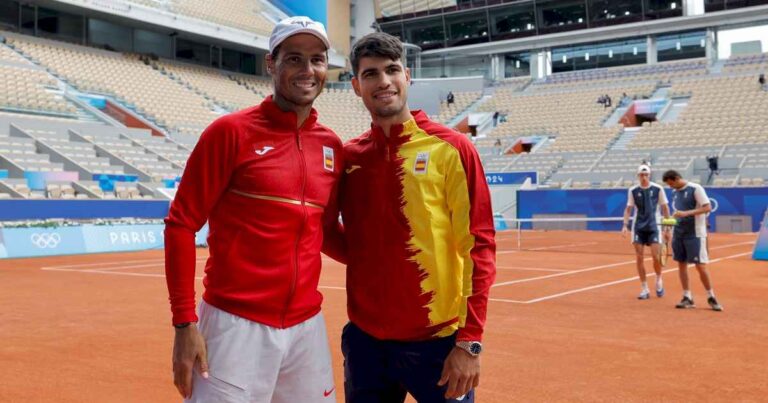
(566, 235)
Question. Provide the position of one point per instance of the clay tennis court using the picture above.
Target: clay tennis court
(564, 325)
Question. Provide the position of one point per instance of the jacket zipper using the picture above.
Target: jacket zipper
(295, 276)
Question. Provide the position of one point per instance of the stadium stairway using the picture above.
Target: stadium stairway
(613, 118)
(625, 137)
(474, 106)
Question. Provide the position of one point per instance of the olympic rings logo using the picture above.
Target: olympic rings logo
(715, 205)
(45, 240)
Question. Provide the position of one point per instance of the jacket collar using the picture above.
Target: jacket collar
(400, 133)
(281, 118)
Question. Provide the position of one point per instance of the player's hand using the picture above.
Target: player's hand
(623, 231)
(680, 214)
(461, 372)
(188, 351)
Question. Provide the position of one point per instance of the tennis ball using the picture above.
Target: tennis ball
(669, 221)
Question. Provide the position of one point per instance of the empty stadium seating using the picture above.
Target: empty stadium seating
(724, 116)
(343, 112)
(756, 63)
(723, 110)
(125, 77)
(665, 72)
(462, 100)
(213, 84)
(573, 117)
(22, 153)
(25, 88)
(247, 15)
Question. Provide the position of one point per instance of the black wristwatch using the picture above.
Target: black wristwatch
(182, 325)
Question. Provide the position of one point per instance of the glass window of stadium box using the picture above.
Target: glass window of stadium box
(513, 21)
(598, 55)
(466, 28)
(517, 64)
(427, 33)
(60, 25)
(655, 9)
(441, 66)
(28, 19)
(719, 5)
(193, 52)
(103, 34)
(613, 12)
(394, 29)
(9, 15)
(559, 15)
(686, 45)
(152, 43)
(714, 5)
(234, 60)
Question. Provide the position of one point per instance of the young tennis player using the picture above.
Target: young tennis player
(420, 241)
(648, 201)
(689, 243)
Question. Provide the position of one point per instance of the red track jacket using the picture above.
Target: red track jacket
(266, 189)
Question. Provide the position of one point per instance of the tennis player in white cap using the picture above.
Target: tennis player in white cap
(648, 201)
(264, 179)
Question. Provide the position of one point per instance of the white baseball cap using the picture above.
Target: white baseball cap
(644, 169)
(297, 25)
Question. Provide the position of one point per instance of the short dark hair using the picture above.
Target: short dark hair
(671, 175)
(377, 44)
(275, 52)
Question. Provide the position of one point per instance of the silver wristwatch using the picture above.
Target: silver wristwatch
(474, 348)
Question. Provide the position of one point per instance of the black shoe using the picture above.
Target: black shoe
(685, 303)
(713, 303)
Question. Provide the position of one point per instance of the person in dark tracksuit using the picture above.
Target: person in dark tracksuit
(689, 242)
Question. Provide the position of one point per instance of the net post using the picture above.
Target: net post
(519, 235)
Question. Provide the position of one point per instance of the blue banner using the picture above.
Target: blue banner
(3, 251)
(3, 173)
(20, 209)
(761, 247)
(24, 242)
(611, 203)
(510, 178)
(118, 238)
(34, 242)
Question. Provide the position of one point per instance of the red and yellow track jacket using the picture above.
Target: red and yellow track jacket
(419, 231)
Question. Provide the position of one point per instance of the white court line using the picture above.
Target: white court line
(508, 300)
(605, 266)
(528, 268)
(624, 280)
(568, 245)
(115, 273)
(68, 266)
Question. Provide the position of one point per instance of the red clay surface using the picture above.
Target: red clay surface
(562, 326)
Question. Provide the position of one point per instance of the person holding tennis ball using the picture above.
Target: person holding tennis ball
(649, 202)
(689, 243)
